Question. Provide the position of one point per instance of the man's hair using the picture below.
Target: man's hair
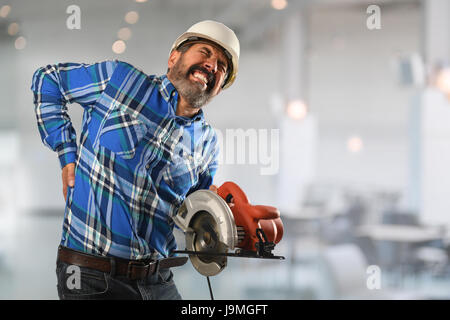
(183, 48)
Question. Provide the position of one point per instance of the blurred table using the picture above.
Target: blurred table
(400, 233)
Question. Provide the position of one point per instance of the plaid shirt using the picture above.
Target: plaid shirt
(136, 160)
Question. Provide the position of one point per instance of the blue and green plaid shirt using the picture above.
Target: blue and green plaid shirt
(136, 160)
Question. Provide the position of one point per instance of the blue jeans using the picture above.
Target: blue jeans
(96, 285)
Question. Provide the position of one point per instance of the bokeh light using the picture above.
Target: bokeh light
(132, 17)
(297, 110)
(20, 43)
(119, 47)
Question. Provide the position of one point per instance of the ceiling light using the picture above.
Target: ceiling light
(124, 34)
(20, 43)
(443, 80)
(296, 109)
(354, 144)
(4, 11)
(119, 47)
(13, 28)
(279, 4)
(132, 17)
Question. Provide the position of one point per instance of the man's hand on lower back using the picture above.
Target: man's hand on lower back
(68, 178)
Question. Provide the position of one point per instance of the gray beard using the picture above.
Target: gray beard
(190, 91)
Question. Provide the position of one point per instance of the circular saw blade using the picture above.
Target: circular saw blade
(210, 229)
(204, 236)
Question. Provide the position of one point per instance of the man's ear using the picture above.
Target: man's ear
(173, 58)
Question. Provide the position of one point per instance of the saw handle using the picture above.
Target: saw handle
(251, 217)
(264, 212)
(232, 193)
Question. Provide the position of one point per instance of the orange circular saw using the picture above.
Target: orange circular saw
(215, 224)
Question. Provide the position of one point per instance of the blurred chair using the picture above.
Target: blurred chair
(428, 256)
(431, 259)
(394, 256)
(335, 210)
(368, 248)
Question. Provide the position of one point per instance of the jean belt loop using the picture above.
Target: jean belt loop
(156, 268)
(112, 262)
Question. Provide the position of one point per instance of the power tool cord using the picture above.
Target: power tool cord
(210, 290)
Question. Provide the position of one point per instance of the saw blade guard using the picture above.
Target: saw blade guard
(209, 226)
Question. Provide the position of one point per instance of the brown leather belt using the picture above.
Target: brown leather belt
(133, 269)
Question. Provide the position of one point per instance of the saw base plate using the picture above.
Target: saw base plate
(236, 254)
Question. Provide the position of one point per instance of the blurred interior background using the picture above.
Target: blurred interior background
(347, 104)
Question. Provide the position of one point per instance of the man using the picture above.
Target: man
(143, 148)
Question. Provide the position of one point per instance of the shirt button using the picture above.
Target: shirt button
(147, 166)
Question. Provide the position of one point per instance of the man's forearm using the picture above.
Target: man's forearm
(53, 121)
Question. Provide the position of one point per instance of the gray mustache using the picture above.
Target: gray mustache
(210, 76)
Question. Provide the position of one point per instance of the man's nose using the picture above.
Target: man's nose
(211, 65)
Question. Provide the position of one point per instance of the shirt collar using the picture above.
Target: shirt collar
(166, 88)
(198, 118)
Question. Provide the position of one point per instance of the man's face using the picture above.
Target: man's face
(198, 73)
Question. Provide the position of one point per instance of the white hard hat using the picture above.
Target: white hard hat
(218, 33)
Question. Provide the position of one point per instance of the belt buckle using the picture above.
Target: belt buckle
(138, 265)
